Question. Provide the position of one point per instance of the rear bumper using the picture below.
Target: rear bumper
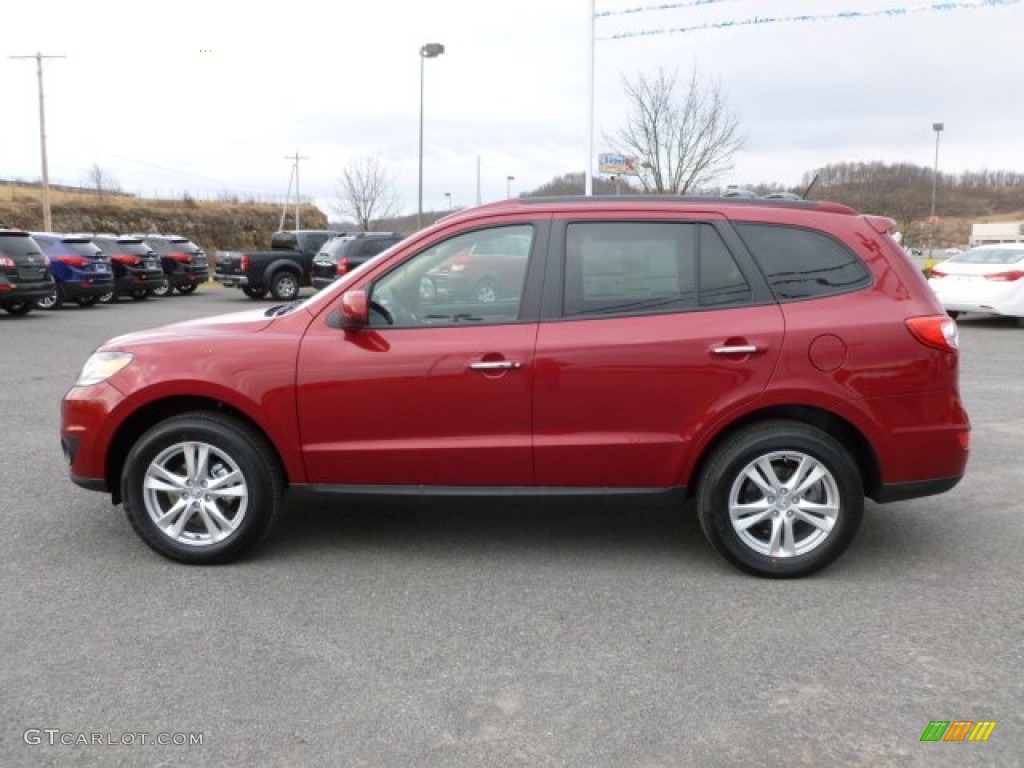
(25, 291)
(74, 289)
(231, 281)
(126, 284)
(188, 277)
(915, 490)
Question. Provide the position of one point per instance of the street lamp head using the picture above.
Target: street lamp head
(938, 126)
(431, 50)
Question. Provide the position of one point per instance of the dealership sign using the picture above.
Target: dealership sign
(620, 165)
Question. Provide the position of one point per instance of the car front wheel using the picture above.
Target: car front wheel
(201, 488)
(254, 293)
(780, 499)
(163, 290)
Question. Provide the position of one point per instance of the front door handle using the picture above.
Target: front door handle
(496, 365)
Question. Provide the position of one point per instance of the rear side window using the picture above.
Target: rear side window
(649, 268)
(803, 263)
(284, 241)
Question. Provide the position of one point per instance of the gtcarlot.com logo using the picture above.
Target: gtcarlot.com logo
(57, 737)
(958, 730)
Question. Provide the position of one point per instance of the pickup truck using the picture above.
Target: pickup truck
(282, 271)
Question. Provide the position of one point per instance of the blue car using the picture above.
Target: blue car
(82, 272)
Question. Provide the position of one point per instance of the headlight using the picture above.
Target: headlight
(101, 366)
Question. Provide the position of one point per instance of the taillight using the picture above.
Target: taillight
(937, 331)
(74, 261)
(1005, 277)
(126, 258)
(7, 261)
(343, 266)
(184, 258)
(244, 263)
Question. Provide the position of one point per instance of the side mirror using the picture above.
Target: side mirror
(355, 310)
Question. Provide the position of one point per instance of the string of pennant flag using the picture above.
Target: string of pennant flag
(900, 10)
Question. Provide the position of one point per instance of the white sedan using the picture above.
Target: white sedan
(987, 279)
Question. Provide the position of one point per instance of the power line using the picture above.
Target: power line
(47, 219)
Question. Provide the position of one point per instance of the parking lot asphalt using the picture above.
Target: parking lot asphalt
(383, 635)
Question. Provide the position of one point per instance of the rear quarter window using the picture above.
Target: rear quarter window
(803, 263)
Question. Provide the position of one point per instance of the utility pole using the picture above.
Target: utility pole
(287, 197)
(479, 199)
(295, 173)
(47, 219)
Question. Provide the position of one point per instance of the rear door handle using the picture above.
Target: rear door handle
(496, 365)
(738, 349)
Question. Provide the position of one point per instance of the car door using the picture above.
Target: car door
(655, 331)
(437, 391)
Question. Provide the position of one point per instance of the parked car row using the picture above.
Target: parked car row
(45, 270)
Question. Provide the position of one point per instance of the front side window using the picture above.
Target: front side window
(474, 278)
(803, 263)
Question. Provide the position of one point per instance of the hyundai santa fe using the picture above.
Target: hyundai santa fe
(766, 364)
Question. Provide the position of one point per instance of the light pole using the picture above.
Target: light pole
(508, 186)
(428, 51)
(448, 195)
(937, 127)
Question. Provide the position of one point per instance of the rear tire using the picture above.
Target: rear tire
(53, 301)
(284, 286)
(22, 307)
(201, 488)
(780, 499)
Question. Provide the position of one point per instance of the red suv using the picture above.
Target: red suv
(775, 361)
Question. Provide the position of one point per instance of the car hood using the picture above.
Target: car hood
(249, 321)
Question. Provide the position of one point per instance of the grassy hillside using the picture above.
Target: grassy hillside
(214, 225)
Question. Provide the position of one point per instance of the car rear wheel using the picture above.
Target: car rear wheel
(187, 288)
(780, 499)
(254, 293)
(19, 307)
(53, 301)
(284, 286)
(201, 488)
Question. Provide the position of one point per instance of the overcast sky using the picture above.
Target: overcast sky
(208, 96)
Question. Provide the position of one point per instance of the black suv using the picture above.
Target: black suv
(184, 262)
(344, 253)
(24, 272)
(137, 270)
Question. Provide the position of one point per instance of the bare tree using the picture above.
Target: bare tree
(98, 179)
(366, 192)
(683, 142)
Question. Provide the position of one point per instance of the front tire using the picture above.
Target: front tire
(254, 293)
(86, 301)
(163, 290)
(141, 294)
(284, 286)
(201, 488)
(780, 499)
(186, 289)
